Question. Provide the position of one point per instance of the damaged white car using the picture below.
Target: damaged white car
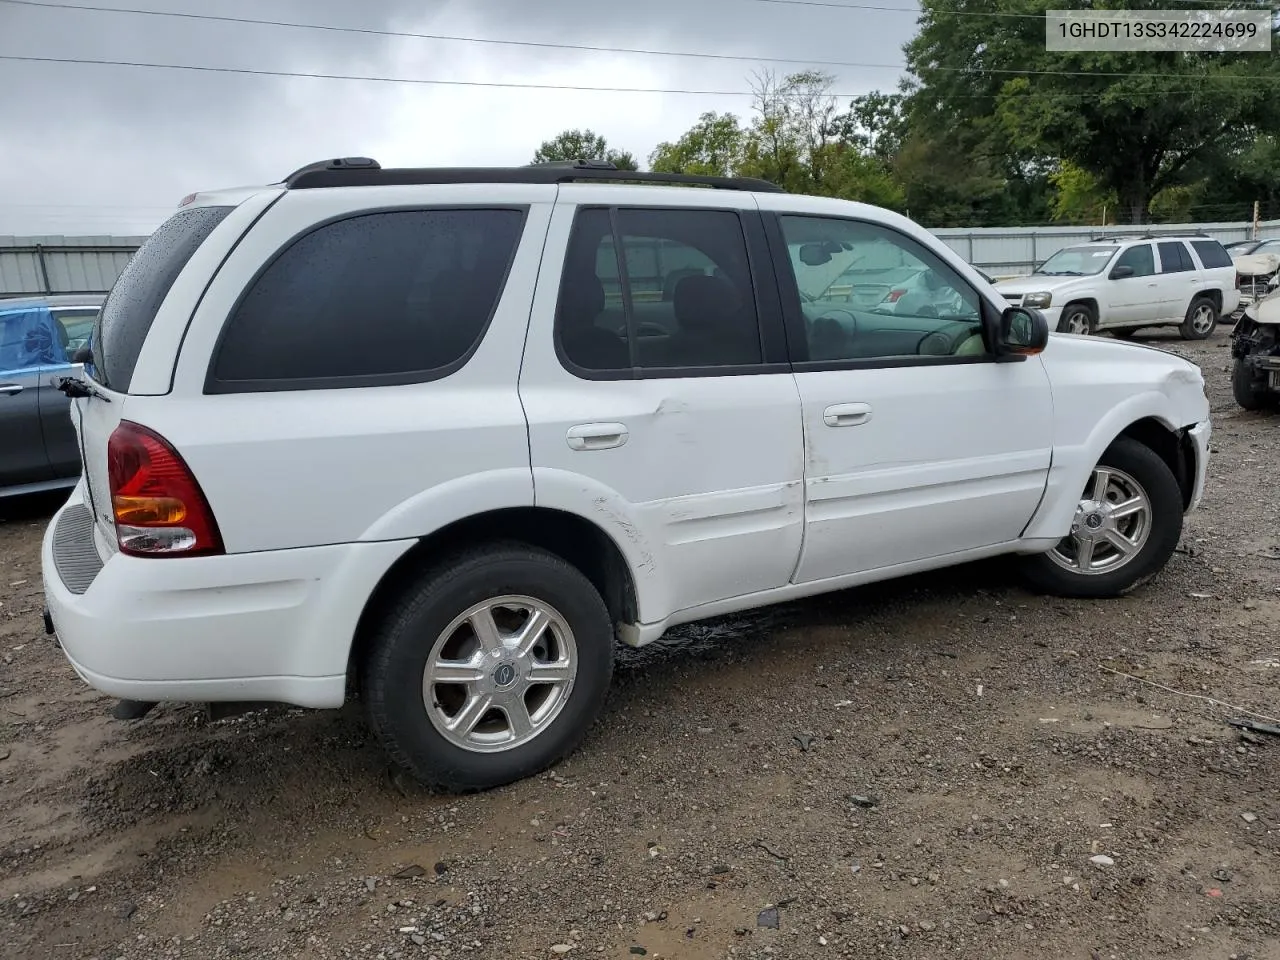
(1255, 350)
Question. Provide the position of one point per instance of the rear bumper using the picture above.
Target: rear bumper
(274, 626)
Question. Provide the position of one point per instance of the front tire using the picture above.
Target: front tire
(1201, 319)
(1249, 390)
(1079, 318)
(490, 668)
(1126, 527)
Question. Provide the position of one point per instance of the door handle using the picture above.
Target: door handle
(597, 436)
(10, 388)
(846, 414)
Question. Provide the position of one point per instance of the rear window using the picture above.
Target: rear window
(130, 308)
(372, 300)
(1212, 254)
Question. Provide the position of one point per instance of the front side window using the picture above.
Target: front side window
(652, 289)
(1140, 258)
(868, 292)
(398, 297)
(30, 338)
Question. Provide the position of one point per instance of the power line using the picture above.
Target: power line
(583, 48)
(500, 85)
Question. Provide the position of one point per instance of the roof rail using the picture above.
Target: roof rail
(1148, 235)
(363, 171)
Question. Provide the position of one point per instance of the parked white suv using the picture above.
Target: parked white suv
(1124, 285)
(442, 436)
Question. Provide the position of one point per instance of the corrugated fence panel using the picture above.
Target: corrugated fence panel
(32, 265)
(1011, 251)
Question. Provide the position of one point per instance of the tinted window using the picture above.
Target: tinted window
(76, 323)
(671, 290)
(1212, 254)
(1141, 258)
(131, 307)
(29, 338)
(1174, 257)
(867, 292)
(396, 297)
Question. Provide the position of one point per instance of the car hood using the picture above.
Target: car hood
(1037, 284)
(1266, 309)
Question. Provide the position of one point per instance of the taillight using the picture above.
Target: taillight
(159, 508)
(893, 296)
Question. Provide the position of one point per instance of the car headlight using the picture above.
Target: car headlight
(1037, 301)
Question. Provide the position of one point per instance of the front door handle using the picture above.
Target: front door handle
(597, 436)
(846, 414)
(10, 388)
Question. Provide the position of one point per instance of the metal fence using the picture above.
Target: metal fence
(1015, 251)
(35, 265)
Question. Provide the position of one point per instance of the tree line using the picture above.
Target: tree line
(990, 129)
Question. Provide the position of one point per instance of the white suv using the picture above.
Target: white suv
(441, 436)
(1123, 285)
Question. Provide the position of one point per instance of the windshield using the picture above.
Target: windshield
(1077, 261)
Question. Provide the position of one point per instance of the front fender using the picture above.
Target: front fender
(1073, 463)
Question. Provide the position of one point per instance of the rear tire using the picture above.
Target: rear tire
(448, 690)
(1249, 390)
(1139, 482)
(1201, 319)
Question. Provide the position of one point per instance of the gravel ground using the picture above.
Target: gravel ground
(939, 765)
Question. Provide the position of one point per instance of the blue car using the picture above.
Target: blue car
(39, 336)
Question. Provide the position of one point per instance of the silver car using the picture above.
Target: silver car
(39, 337)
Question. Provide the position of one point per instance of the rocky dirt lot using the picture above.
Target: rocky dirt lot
(945, 765)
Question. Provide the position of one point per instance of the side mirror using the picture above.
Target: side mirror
(1119, 273)
(1023, 332)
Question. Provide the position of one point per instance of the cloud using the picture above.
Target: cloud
(99, 149)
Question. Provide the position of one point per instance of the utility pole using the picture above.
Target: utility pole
(1255, 220)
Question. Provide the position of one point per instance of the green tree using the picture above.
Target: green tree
(712, 147)
(1138, 122)
(1078, 198)
(583, 145)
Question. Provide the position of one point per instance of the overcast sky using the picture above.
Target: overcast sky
(98, 149)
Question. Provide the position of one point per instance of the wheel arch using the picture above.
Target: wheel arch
(1171, 445)
(1144, 419)
(577, 540)
(1212, 294)
(1085, 301)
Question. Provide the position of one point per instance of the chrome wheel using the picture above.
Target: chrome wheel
(500, 674)
(1111, 525)
(1203, 319)
(1077, 321)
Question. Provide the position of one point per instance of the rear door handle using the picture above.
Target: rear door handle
(597, 436)
(10, 388)
(846, 414)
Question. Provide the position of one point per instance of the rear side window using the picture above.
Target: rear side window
(1174, 257)
(372, 300)
(131, 307)
(1212, 254)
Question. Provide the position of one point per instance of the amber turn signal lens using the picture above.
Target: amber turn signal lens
(146, 511)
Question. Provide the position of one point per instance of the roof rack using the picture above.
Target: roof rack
(1119, 237)
(363, 171)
